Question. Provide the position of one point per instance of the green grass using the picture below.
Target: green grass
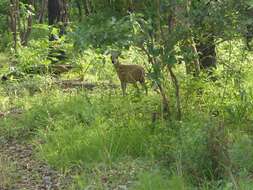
(4, 61)
(3, 58)
(77, 144)
(156, 180)
(7, 172)
(84, 130)
(108, 141)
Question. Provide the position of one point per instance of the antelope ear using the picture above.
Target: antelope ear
(115, 54)
(112, 56)
(118, 53)
(107, 52)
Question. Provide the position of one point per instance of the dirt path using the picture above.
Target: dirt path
(29, 174)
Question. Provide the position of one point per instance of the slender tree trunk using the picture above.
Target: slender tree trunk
(177, 92)
(42, 11)
(249, 29)
(165, 100)
(87, 7)
(20, 31)
(80, 10)
(196, 58)
(170, 25)
(193, 66)
(191, 57)
(28, 29)
(14, 6)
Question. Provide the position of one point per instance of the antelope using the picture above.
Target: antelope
(129, 74)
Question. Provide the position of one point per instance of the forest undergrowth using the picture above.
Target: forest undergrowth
(107, 141)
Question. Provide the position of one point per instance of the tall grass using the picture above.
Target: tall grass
(99, 143)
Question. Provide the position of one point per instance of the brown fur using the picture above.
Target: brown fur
(129, 74)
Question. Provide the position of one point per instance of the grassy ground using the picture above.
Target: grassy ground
(7, 172)
(106, 141)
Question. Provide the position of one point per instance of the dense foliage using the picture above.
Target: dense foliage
(193, 129)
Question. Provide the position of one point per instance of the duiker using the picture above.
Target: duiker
(128, 74)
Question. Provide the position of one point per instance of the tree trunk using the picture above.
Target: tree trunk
(190, 56)
(249, 29)
(57, 14)
(165, 100)
(42, 11)
(192, 64)
(27, 31)
(20, 31)
(177, 92)
(58, 17)
(14, 6)
(87, 7)
(207, 54)
(53, 12)
(80, 10)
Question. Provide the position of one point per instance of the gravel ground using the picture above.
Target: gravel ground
(30, 174)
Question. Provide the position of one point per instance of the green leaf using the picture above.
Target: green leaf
(170, 59)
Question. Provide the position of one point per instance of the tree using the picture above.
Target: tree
(14, 15)
(57, 17)
(42, 11)
(21, 19)
(58, 14)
